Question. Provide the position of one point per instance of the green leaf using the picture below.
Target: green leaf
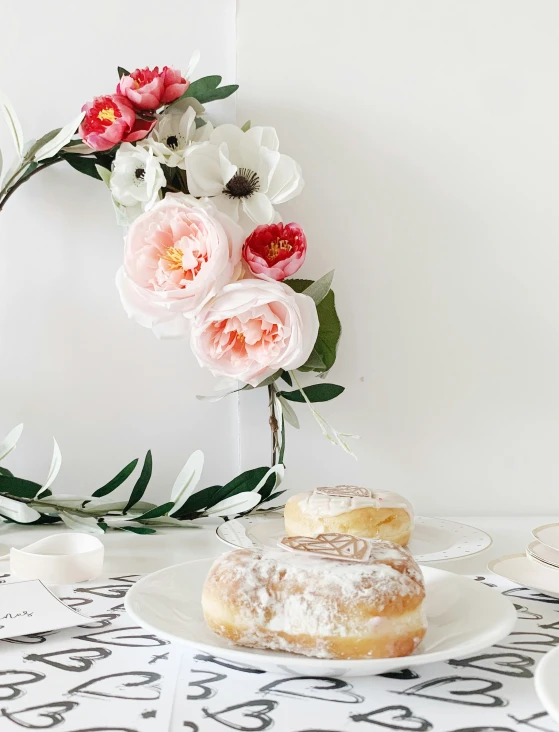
(244, 482)
(199, 122)
(6, 472)
(273, 497)
(122, 72)
(141, 484)
(198, 501)
(329, 331)
(87, 166)
(137, 529)
(104, 175)
(207, 89)
(319, 289)
(314, 393)
(18, 487)
(268, 487)
(116, 481)
(162, 510)
(268, 381)
(246, 126)
(286, 376)
(40, 142)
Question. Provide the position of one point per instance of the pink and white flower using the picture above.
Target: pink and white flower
(148, 89)
(253, 328)
(275, 251)
(177, 256)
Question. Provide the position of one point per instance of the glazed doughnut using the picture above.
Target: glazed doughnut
(315, 606)
(350, 510)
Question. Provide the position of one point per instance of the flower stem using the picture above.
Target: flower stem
(274, 425)
(25, 178)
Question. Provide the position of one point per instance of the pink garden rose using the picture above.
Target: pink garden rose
(109, 120)
(253, 328)
(177, 256)
(148, 89)
(275, 251)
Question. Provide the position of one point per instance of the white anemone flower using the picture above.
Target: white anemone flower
(244, 173)
(175, 130)
(136, 179)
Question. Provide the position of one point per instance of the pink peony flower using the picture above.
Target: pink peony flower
(253, 328)
(148, 89)
(109, 120)
(174, 83)
(177, 256)
(275, 251)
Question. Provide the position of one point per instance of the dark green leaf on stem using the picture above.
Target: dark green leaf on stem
(329, 331)
(116, 481)
(286, 376)
(272, 497)
(137, 529)
(6, 472)
(246, 481)
(141, 484)
(207, 89)
(122, 72)
(83, 165)
(162, 510)
(314, 393)
(198, 501)
(18, 487)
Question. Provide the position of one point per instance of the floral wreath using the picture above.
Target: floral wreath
(206, 256)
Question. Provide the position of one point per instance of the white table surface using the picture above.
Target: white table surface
(203, 693)
(132, 553)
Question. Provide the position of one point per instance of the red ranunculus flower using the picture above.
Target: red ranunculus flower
(109, 120)
(275, 251)
(147, 89)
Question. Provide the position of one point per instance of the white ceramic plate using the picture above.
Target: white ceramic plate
(547, 683)
(433, 540)
(548, 535)
(521, 570)
(167, 603)
(543, 553)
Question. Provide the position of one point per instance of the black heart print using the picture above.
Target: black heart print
(131, 578)
(35, 717)
(31, 638)
(525, 614)
(251, 716)
(471, 691)
(206, 692)
(530, 642)
(124, 637)
(117, 591)
(508, 664)
(235, 666)
(139, 685)
(405, 674)
(525, 593)
(11, 683)
(74, 659)
(75, 602)
(550, 626)
(118, 608)
(394, 717)
(100, 621)
(192, 726)
(314, 687)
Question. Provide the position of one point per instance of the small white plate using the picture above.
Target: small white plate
(518, 568)
(543, 553)
(433, 540)
(548, 535)
(547, 683)
(167, 603)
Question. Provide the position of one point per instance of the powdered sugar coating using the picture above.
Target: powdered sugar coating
(319, 504)
(274, 592)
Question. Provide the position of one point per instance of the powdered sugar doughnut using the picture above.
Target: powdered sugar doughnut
(302, 603)
(350, 510)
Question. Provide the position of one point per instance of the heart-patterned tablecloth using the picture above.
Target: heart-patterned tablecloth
(109, 676)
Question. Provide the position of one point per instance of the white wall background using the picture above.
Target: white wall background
(428, 133)
(72, 364)
(429, 138)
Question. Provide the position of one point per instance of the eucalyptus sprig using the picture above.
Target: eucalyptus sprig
(27, 502)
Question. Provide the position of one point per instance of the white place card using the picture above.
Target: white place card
(30, 607)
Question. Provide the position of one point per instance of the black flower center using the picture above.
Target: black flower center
(140, 173)
(243, 184)
(172, 142)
